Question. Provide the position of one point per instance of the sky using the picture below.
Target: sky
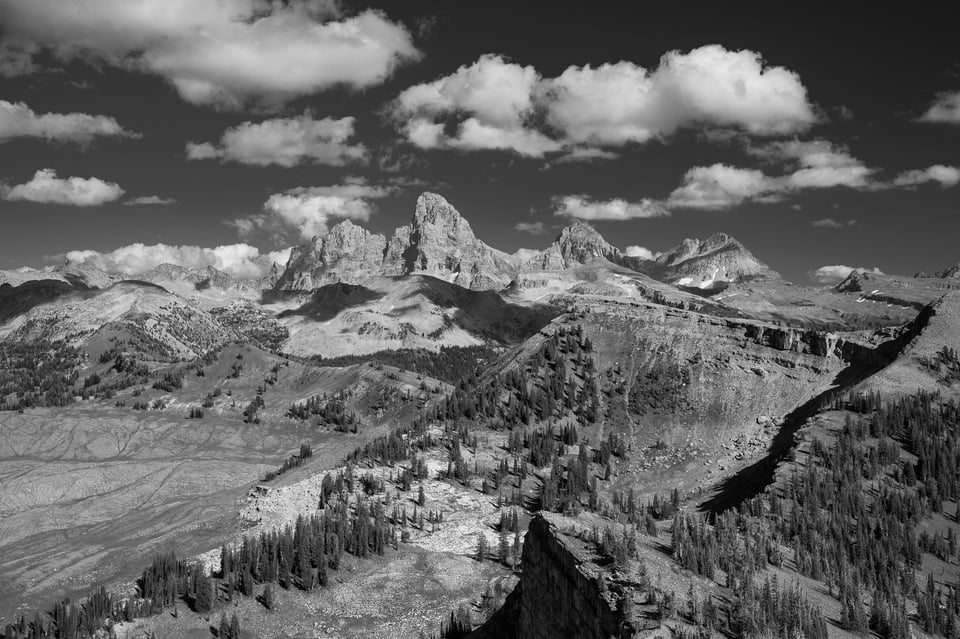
(222, 132)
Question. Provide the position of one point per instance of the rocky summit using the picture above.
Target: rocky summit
(704, 263)
(438, 242)
(577, 244)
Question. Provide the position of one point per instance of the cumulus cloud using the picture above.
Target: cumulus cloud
(641, 252)
(817, 164)
(494, 95)
(623, 102)
(226, 53)
(803, 165)
(498, 104)
(837, 273)
(524, 254)
(945, 109)
(285, 142)
(533, 228)
(239, 260)
(46, 188)
(19, 120)
(149, 200)
(945, 176)
(720, 186)
(308, 211)
(585, 208)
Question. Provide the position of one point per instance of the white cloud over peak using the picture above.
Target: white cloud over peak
(944, 110)
(945, 176)
(524, 254)
(46, 188)
(224, 53)
(585, 208)
(285, 142)
(19, 120)
(498, 104)
(641, 252)
(836, 273)
(239, 260)
(308, 211)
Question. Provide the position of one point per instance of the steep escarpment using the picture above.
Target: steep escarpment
(563, 592)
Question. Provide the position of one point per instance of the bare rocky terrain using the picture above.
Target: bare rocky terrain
(606, 392)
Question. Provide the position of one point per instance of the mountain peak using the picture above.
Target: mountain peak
(433, 208)
(578, 243)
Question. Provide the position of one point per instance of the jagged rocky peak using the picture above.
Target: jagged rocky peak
(577, 244)
(952, 272)
(692, 248)
(346, 253)
(704, 263)
(438, 241)
(854, 282)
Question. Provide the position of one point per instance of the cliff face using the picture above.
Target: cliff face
(438, 241)
(560, 593)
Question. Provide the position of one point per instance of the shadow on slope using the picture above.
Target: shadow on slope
(326, 302)
(863, 363)
(17, 300)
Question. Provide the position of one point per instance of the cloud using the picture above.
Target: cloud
(239, 260)
(146, 200)
(280, 257)
(946, 176)
(308, 211)
(837, 273)
(614, 104)
(816, 164)
(641, 252)
(498, 104)
(285, 142)
(19, 120)
(720, 186)
(533, 228)
(585, 208)
(944, 110)
(16, 58)
(46, 188)
(830, 223)
(803, 165)
(227, 53)
(524, 254)
(494, 95)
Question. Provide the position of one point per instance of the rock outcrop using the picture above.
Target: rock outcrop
(577, 244)
(563, 592)
(704, 263)
(438, 242)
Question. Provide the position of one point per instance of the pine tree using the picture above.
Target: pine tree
(268, 602)
(482, 547)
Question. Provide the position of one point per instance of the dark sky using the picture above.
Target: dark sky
(868, 77)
